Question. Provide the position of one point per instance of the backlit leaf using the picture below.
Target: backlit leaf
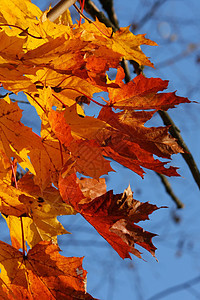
(40, 213)
(42, 273)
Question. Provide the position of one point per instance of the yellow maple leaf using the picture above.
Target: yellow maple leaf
(122, 42)
(42, 209)
(5, 168)
(18, 12)
(42, 157)
(9, 201)
(17, 139)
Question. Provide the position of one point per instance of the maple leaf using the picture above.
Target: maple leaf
(9, 201)
(42, 273)
(113, 216)
(10, 47)
(28, 21)
(85, 127)
(14, 81)
(71, 55)
(123, 137)
(122, 42)
(39, 211)
(65, 88)
(142, 94)
(5, 168)
(61, 66)
(17, 139)
(134, 145)
(83, 53)
(60, 127)
(24, 13)
(92, 188)
(89, 158)
(74, 60)
(86, 154)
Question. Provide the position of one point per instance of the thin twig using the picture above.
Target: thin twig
(94, 12)
(21, 221)
(59, 9)
(20, 101)
(23, 241)
(175, 132)
(169, 190)
(177, 57)
(109, 8)
(24, 31)
(150, 13)
(81, 13)
(7, 94)
(176, 288)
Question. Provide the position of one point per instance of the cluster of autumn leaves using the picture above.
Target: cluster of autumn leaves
(60, 66)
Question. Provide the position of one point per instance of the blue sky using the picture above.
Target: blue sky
(176, 28)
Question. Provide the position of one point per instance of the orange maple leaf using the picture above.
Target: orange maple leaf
(9, 201)
(42, 273)
(133, 145)
(142, 94)
(113, 216)
(92, 188)
(86, 153)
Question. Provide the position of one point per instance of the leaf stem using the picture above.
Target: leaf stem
(82, 3)
(90, 21)
(81, 13)
(36, 102)
(169, 190)
(59, 100)
(13, 174)
(23, 242)
(61, 153)
(73, 89)
(23, 30)
(21, 221)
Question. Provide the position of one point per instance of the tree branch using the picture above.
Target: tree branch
(59, 9)
(176, 288)
(109, 8)
(94, 12)
(150, 13)
(175, 132)
(169, 190)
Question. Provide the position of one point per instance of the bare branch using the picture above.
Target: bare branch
(169, 190)
(176, 288)
(175, 132)
(178, 57)
(109, 8)
(80, 12)
(59, 9)
(20, 101)
(94, 12)
(150, 13)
